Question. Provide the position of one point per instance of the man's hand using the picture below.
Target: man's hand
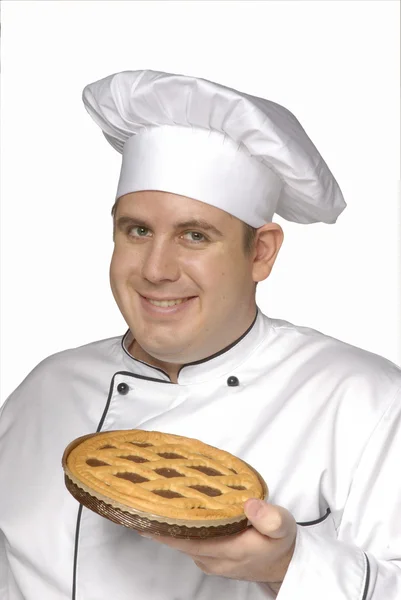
(262, 553)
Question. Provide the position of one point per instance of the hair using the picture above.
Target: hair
(249, 232)
(249, 237)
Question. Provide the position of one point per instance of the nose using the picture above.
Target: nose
(160, 263)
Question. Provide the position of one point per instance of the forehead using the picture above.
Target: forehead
(166, 207)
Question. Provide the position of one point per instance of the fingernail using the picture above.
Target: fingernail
(144, 535)
(253, 507)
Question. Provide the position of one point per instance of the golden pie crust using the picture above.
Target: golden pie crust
(161, 483)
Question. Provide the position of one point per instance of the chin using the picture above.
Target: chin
(161, 349)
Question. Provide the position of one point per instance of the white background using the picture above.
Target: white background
(333, 64)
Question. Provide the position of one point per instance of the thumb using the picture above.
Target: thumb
(270, 520)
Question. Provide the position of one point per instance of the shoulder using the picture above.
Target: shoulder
(340, 353)
(99, 351)
(93, 363)
(333, 363)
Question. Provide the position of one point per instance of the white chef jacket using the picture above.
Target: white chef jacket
(319, 419)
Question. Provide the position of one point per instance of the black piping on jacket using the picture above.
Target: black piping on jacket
(99, 428)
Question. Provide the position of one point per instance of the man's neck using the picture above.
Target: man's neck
(170, 368)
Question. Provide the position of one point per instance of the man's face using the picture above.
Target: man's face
(180, 275)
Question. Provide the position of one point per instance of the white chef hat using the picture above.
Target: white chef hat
(192, 137)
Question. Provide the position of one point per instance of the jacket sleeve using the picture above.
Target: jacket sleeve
(3, 567)
(358, 555)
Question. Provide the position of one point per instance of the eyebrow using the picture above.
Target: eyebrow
(124, 221)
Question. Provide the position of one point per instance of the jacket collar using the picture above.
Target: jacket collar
(221, 364)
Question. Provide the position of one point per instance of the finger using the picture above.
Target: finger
(185, 545)
(273, 521)
(219, 548)
(216, 548)
(213, 567)
(204, 566)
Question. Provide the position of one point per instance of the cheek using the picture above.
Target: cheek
(204, 271)
(221, 275)
(121, 265)
(119, 273)
(115, 266)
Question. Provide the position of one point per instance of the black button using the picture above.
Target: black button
(232, 381)
(122, 388)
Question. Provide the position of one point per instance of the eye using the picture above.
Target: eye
(194, 236)
(138, 231)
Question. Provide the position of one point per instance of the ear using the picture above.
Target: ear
(267, 244)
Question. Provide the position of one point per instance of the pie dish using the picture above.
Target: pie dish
(161, 483)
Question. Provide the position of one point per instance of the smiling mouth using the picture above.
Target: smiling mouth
(167, 303)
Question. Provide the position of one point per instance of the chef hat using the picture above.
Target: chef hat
(189, 136)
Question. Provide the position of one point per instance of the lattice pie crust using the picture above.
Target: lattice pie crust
(162, 483)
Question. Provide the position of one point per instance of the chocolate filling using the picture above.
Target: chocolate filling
(94, 462)
(204, 489)
(135, 459)
(237, 487)
(169, 455)
(207, 471)
(134, 477)
(168, 473)
(106, 447)
(168, 494)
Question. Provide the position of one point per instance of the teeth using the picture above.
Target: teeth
(165, 303)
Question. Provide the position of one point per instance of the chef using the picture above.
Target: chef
(204, 169)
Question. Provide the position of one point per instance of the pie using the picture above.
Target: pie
(161, 483)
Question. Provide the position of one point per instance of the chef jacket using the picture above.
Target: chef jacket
(319, 419)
